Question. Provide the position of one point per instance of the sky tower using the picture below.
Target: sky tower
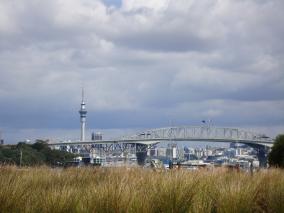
(83, 113)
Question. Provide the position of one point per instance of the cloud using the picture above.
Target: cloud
(143, 63)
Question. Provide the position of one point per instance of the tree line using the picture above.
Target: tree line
(36, 154)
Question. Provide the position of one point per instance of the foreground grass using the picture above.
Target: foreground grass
(138, 190)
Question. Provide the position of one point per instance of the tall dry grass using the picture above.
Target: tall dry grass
(138, 190)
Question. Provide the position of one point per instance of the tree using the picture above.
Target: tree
(8, 155)
(276, 156)
(40, 145)
(33, 154)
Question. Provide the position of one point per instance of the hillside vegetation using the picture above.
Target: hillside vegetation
(33, 154)
(276, 156)
(42, 189)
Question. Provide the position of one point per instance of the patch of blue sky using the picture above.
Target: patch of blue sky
(116, 3)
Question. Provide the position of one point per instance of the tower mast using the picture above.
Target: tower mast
(83, 113)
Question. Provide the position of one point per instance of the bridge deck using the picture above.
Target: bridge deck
(185, 133)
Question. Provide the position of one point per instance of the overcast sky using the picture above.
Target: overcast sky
(143, 63)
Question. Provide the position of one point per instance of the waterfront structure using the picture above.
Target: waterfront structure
(83, 114)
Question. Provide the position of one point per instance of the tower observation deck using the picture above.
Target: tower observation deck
(83, 114)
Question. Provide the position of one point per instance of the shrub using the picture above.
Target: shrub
(276, 156)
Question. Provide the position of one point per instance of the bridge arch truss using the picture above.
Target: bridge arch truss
(200, 133)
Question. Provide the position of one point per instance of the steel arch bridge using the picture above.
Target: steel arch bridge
(145, 140)
(185, 133)
(200, 133)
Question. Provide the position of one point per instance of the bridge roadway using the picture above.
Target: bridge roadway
(184, 133)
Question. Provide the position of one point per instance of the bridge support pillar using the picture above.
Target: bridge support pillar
(262, 156)
(141, 157)
(141, 153)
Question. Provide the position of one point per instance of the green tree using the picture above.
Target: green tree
(33, 154)
(30, 156)
(40, 145)
(8, 155)
(276, 156)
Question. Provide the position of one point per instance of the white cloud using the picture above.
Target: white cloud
(159, 60)
(133, 5)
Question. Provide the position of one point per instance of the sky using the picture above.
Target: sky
(143, 64)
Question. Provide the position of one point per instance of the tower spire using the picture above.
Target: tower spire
(83, 94)
(83, 113)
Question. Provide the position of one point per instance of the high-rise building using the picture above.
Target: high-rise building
(98, 136)
(83, 113)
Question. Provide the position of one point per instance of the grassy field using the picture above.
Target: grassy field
(139, 190)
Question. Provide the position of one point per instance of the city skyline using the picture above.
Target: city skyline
(143, 64)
